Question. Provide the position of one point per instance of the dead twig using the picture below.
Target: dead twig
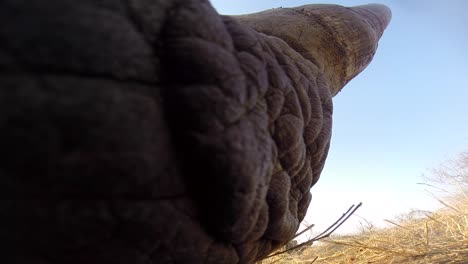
(325, 233)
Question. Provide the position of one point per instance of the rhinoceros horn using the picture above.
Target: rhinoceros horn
(340, 40)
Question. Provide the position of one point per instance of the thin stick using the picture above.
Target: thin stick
(325, 233)
(342, 222)
(303, 231)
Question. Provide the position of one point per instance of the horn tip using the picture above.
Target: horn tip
(378, 15)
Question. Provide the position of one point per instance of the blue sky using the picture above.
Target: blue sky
(404, 115)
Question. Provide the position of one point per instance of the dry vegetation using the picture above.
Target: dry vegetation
(416, 238)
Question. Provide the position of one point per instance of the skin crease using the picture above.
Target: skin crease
(159, 131)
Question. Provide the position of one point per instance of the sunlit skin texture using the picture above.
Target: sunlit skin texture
(161, 132)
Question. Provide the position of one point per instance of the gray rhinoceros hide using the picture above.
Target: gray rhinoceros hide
(161, 132)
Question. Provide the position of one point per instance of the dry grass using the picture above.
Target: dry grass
(439, 237)
(416, 238)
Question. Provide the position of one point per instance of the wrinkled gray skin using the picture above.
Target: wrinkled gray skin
(160, 132)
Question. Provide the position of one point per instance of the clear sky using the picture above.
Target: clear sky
(404, 115)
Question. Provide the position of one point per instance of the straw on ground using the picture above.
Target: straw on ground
(416, 238)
